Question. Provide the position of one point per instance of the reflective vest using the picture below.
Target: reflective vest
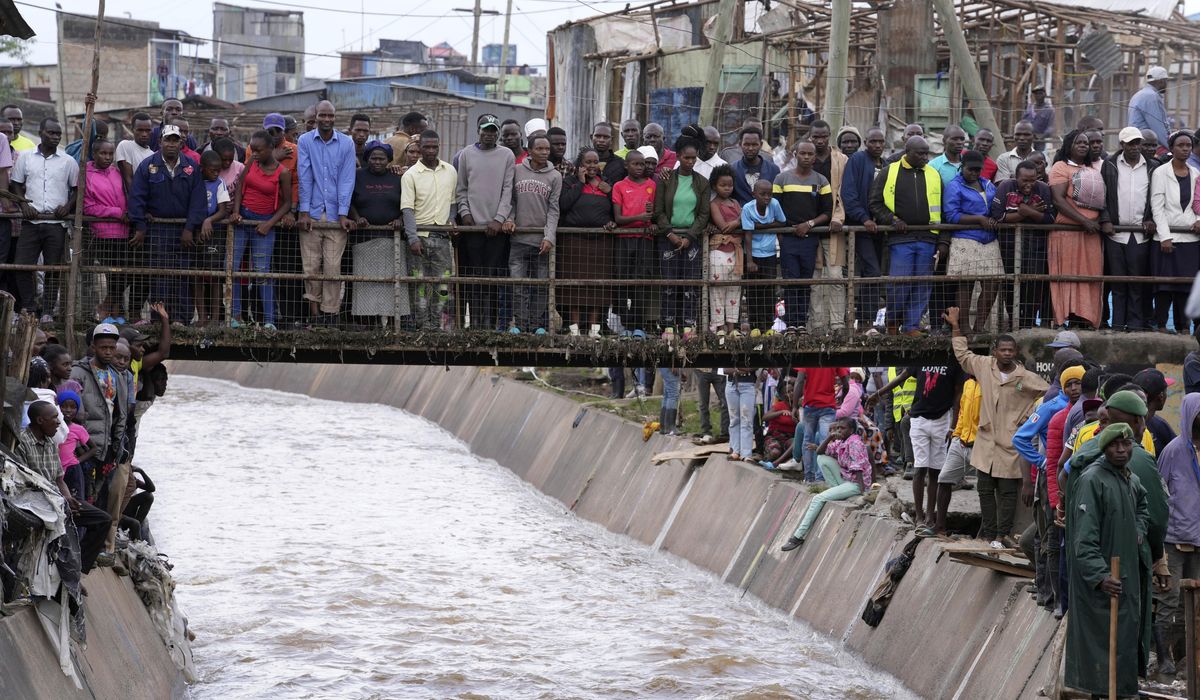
(933, 189)
(902, 396)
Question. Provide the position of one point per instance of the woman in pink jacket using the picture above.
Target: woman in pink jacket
(104, 196)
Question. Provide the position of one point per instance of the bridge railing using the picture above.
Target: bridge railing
(605, 277)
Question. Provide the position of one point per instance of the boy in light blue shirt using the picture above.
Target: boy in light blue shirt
(762, 212)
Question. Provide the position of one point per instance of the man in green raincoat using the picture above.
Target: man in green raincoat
(1108, 518)
(1128, 408)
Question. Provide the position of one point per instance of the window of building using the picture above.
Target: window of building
(285, 64)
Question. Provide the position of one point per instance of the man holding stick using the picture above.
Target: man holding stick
(1107, 520)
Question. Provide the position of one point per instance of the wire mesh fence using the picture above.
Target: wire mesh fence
(629, 281)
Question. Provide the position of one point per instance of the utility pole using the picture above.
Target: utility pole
(504, 53)
(477, 11)
(62, 92)
(839, 65)
(968, 71)
(716, 56)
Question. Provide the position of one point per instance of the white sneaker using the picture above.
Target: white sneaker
(788, 466)
(640, 390)
(574, 328)
(595, 331)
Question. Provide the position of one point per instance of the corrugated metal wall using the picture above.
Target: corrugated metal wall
(577, 104)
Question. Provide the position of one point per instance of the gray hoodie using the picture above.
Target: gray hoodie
(485, 184)
(535, 196)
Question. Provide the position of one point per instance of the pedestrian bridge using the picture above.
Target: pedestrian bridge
(582, 283)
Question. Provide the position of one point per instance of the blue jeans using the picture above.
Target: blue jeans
(907, 300)
(670, 388)
(798, 260)
(167, 253)
(813, 428)
(740, 397)
(261, 249)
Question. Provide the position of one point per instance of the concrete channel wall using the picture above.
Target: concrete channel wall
(125, 658)
(952, 631)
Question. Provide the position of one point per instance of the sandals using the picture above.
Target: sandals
(925, 531)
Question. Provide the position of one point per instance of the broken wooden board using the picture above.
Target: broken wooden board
(1002, 563)
(690, 453)
(978, 547)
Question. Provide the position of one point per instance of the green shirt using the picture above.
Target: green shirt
(683, 209)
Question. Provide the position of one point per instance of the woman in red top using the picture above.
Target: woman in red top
(264, 195)
(781, 425)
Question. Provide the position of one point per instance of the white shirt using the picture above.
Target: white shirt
(705, 167)
(48, 180)
(129, 152)
(1133, 181)
(1006, 164)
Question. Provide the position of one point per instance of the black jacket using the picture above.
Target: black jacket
(1109, 171)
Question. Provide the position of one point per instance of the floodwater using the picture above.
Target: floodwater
(334, 550)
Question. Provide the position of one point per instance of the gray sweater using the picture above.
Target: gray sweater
(485, 184)
(535, 196)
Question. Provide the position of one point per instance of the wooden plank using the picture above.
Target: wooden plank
(994, 563)
(690, 453)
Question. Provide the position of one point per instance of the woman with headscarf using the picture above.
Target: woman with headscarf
(1177, 254)
(585, 202)
(1078, 191)
(376, 202)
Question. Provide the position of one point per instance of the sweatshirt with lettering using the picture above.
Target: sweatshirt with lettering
(535, 195)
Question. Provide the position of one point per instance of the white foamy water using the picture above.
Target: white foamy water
(333, 550)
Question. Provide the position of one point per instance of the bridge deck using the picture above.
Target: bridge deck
(502, 349)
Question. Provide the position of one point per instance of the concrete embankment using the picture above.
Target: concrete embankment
(952, 631)
(125, 658)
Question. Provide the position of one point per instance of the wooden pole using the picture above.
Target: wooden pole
(716, 57)
(504, 53)
(838, 72)
(76, 249)
(968, 71)
(1112, 633)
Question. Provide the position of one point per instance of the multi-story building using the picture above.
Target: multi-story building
(257, 52)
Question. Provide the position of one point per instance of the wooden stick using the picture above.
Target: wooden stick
(1112, 633)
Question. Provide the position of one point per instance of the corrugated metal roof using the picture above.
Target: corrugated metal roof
(1101, 51)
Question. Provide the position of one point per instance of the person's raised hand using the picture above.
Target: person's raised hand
(951, 316)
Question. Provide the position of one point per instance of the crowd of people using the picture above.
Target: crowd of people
(77, 441)
(1099, 471)
(299, 192)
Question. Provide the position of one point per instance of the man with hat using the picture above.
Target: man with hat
(484, 197)
(1148, 107)
(1106, 519)
(1127, 198)
(325, 167)
(1040, 113)
(105, 409)
(1146, 566)
(169, 185)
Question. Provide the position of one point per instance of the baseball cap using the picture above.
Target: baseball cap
(169, 130)
(274, 119)
(1090, 405)
(1157, 73)
(488, 121)
(132, 334)
(1065, 339)
(648, 152)
(1039, 88)
(289, 122)
(1129, 133)
(535, 125)
(1152, 381)
(108, 329)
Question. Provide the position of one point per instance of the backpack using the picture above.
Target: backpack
(1087, 189)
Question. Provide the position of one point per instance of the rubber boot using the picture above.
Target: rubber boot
(1162, 649)
(668, 421)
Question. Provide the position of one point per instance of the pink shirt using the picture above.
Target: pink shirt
(105, 196)
(230, 177)
(852, 459)
(76, 435)
(852, 403)
(6, 154)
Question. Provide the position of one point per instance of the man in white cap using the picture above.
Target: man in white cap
(1148, 108)
(1127, 187)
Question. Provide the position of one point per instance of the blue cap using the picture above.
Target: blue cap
(274, 119)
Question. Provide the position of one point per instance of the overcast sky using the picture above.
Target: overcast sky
(350, 26)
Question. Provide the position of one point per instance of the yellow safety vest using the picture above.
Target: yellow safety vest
(933, 189)
(902, 397)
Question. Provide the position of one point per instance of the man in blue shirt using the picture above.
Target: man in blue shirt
(326, 168)
(1148, 108)
(168, 185)
(751, 167)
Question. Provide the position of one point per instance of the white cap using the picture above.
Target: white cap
(1129, 133)
(169, 130)
(535, 125)
(648, 152)
(1157, 73)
